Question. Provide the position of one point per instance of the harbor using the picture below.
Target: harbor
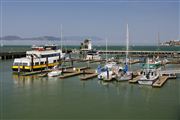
(87, 76)
(34, 90)
(89, 60)
(86, 72)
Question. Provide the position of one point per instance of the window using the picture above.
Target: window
(50, 55)
(36, 63)
(16, 64)
(42, 63)
(24, 64)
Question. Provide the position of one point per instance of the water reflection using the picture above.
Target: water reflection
(31, 80)
(146, 92)
(125, 90)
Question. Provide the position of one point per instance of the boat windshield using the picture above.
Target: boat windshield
(103, 69)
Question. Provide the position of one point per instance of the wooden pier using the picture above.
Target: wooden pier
(11, 55)
(143, 53)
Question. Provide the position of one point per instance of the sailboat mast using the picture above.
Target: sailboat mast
(106, 50)
(1, 23)
(61, 37)
(158, 39)
(127, 43)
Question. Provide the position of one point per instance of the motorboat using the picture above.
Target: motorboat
(150, 73)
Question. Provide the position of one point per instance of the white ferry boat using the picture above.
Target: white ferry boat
(39, 58)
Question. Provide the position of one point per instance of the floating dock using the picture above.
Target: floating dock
(135, 80)
(31, 73)
(160, 81)
(70, 74)
(90, 76)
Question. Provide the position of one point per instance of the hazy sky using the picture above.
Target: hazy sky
(101, 18)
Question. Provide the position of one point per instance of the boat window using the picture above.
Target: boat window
(24, 64)
(144, 73)
(54, 61)
(42, 63)
(50, 55)
(152, 73)
(16, 64)
(36, 63)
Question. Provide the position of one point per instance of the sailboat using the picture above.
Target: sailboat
(107, 73)
(55, 71)
(125, 74)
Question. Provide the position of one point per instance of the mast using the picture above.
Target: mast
(148, 64)
(106, 50)
(1, 9)
(127, 43)
(158, 39)
(61, 37)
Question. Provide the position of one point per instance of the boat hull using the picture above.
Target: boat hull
(125, 77)
(54, 73)
(147, 81)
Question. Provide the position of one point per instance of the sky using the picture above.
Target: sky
(106, 19)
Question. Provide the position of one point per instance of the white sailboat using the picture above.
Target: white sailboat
(106, 73)
(125, 74)
(55, 71)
